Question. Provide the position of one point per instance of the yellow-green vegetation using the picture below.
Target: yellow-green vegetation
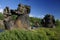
(36, 34)
(1, 16)
(57, 30)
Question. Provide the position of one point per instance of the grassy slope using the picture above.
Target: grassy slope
(58, 32)
(38, 34)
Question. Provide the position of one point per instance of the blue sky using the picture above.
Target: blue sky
(39, 8)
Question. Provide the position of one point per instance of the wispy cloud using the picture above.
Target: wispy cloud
(38, 16)
(1, 10)
(31, 15)
(41, 16)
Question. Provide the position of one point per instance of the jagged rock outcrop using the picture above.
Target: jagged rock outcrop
(48, 21)
(22, 19)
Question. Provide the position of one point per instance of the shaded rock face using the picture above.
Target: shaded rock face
(7, 18)
(48, 21)
(2, 24)
(22, 19)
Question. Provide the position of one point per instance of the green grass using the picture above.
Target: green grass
(37, 34)
(57, 32)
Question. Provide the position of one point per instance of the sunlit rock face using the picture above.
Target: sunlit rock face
(22, 19)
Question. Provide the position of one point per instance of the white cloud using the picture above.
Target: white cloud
(41, 16)
(31, 15)
(1, 10)
(38, 16)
